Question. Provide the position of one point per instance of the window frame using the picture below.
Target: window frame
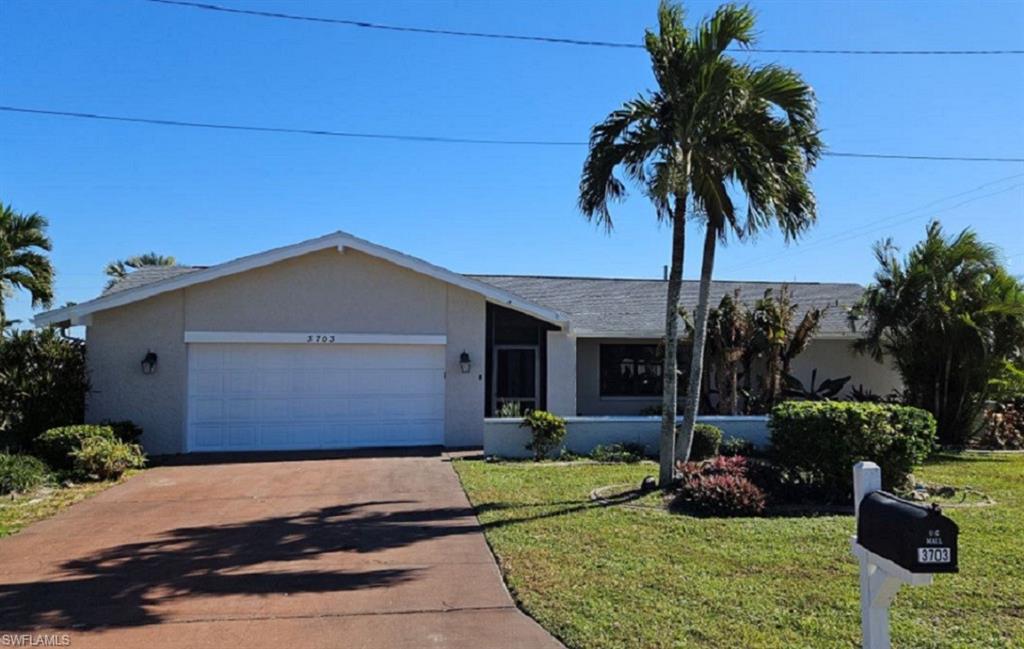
(651, 353)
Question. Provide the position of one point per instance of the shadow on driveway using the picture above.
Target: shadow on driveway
(123, 585)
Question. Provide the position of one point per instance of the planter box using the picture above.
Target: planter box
(504, 437)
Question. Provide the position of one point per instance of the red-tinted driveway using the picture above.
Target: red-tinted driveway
(349, 552)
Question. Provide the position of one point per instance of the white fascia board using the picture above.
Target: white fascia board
(315, 338)
(338, 240)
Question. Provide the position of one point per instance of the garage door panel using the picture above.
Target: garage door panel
(207, 436)
(239, 436)
(278, 396)
(208, 410)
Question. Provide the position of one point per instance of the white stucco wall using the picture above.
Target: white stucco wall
(464, 393)
(506, 438)
(561, 369)
(116, 342)
(326, 291)
(835, 359)
(322, 291)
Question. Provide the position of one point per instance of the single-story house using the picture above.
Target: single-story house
(338, 342)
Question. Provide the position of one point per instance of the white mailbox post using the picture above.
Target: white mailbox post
(879, 577)
(919, 537)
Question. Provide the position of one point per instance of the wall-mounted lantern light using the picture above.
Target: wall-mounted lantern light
(149, 363)
(464, 362)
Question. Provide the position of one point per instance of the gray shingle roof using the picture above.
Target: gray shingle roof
(636, 307)
(148, 275)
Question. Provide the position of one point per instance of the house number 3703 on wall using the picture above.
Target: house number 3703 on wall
(319, 338)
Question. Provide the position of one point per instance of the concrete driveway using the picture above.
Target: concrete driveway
(342, 552)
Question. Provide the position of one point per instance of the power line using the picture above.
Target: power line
(551, 39)
(274, 129)
(885, 223)
(427, 138)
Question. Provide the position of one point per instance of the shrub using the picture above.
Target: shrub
(819, 442)
(628, 452)
(719, 487)
(548, 432)
(1002, 427)
(105, 458)
(20, 473)
(43, 383)
(58, 445)
(125, 430)
(736, 446)
(706, 440)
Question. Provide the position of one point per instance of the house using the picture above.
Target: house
(337, 342)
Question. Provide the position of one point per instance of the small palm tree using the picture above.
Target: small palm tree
(118, 270)
(713, 127)
(23, 262)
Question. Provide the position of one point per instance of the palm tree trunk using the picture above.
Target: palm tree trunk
(700, 326)
(669, 395)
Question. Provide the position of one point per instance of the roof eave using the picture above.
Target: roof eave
(340, 240)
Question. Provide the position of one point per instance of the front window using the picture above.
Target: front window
(631, 370)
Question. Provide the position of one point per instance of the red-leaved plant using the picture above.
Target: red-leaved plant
(718, 487)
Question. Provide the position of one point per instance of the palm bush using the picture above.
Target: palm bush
(951, 318)
(43, 383)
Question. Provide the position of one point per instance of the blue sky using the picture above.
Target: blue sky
(112, 190)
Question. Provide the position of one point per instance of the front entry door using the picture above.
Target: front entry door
(516, 376)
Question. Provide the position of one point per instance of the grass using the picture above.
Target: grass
(19, 510)
(610, 577)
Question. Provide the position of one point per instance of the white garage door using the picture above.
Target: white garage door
(295, 396)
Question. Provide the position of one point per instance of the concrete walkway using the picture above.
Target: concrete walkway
(342, 552)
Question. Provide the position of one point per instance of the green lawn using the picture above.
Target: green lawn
(602, 577)
(20, 510)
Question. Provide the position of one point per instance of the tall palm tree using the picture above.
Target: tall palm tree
(23, 262)
(714, 127)
(117, 270)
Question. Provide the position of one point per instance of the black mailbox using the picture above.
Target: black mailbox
(916, 537)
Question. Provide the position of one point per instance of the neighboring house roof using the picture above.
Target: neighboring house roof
(148, 275)
(636, 307)
(167, 279)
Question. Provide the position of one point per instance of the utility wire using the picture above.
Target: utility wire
(887, 222)
(428, 138)
(551, 39)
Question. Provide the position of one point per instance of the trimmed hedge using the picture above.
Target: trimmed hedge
(19, 473)
(58, 445)
(818, 442)
(706, 440)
